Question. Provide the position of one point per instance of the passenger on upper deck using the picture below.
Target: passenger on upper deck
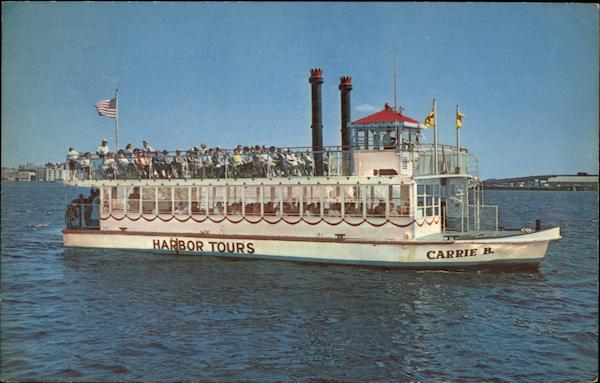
(129, 150)
(103, 149)
(179, 165)
(147, 147)
(109, 165)
(72, 162)
(159, 163)
(85, 164)
(124, 166)
(140, 162)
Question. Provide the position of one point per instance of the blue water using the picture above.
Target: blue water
(97, 315)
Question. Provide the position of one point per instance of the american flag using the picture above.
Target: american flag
(107, 108)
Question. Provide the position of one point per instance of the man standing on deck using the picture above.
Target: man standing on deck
(73, 159)
(103, 149)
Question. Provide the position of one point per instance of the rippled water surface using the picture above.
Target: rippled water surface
(101, 315)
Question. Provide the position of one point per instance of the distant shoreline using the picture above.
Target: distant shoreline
(486, 187)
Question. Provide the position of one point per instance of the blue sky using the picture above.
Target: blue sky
(525, 75)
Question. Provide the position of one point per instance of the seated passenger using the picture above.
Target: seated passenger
(326, 163)
(179, 165)
(196, 208)
(181, 208)
(207, 164)
(350, 209)
(292, 162)
(189, 164)
(123, 164)
(252, 209)
(234, 209)
(218, 163)
(334, 210)
(316, 209)
(109, 165)
(309, 163)
(236, 162)
(218, 210)
(129, 151)
(197, 163)
(146, 148)
(133, 201)
(141, 164)
(270, 208)
(159, 164)
(379, 210)
(148, 159)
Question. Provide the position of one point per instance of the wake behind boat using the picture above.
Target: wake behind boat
(381, 198)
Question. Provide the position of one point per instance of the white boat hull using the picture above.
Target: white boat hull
(523, 250)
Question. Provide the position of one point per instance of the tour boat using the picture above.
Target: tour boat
(382, 198)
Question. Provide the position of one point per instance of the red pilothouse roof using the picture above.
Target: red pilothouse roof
(387, 115)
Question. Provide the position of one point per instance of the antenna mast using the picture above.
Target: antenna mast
(395, 92)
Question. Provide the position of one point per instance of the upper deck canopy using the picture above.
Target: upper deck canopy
(387, 117)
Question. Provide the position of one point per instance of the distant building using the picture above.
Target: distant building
(9, 174)
(31, 172)
(55, 172)
(40, 173)
(25, 176)
(27, 167)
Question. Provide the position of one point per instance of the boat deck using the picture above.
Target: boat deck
(473, 234)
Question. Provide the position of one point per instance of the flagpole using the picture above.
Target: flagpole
(457, 142)
(117, 120)
(435, 139)
(395, 101)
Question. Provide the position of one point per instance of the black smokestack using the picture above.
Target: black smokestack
(316, 79)
(345, 88)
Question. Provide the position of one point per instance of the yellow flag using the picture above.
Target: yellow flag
(430, 119)
(459, 117)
